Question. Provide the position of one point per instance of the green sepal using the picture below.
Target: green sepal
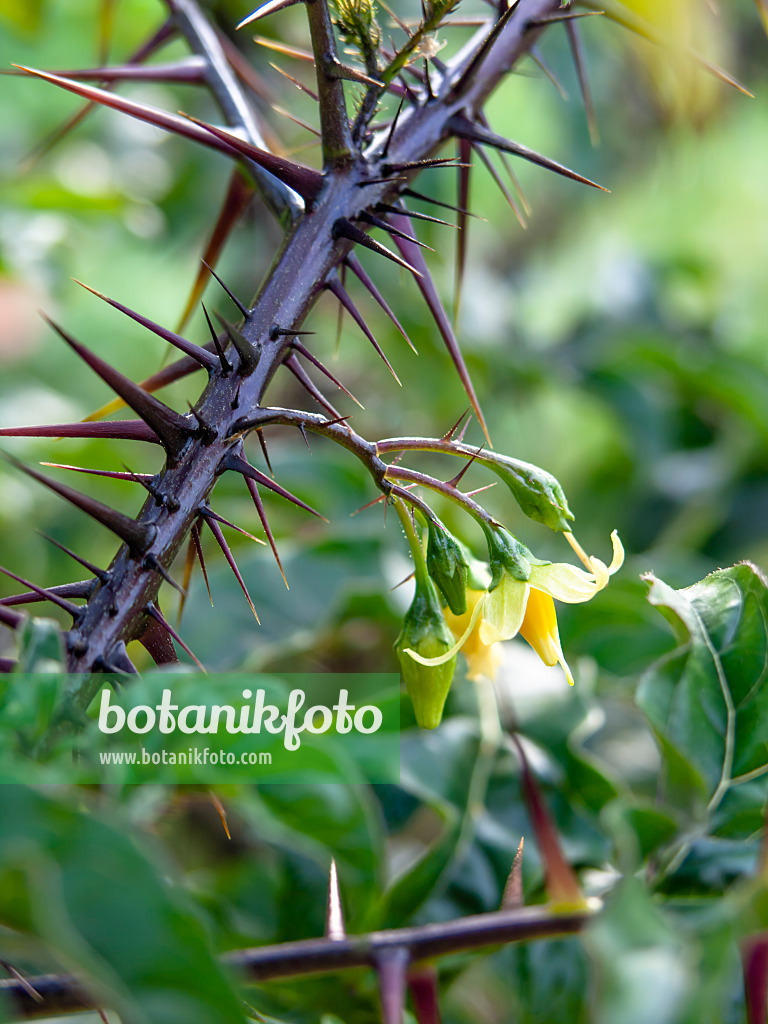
(507, 555)
(448, 567)
(426, 632)
(536, 491)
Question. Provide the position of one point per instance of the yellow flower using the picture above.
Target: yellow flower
(527, 607)
(482, 659)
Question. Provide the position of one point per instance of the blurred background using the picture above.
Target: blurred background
(619, 341)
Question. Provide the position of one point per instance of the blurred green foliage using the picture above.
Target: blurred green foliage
(619, 342)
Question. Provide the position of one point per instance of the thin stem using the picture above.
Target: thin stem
(54, 992)
(470, 506)
(419, 563)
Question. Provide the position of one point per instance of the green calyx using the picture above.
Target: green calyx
(448, 567)
(507, 555)
(426, 632)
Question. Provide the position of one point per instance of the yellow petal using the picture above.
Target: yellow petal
(565, 582)
(539, 628)
(504, 610)
(482, 659)
(441, 659)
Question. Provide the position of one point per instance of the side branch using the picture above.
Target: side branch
(52, 993)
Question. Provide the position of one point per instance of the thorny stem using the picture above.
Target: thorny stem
(116, 611)
(463, 500)
(419, 565)
(57, 992)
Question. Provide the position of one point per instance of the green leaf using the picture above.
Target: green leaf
(104, 908)
(707, 699)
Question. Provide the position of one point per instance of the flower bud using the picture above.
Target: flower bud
(448, 568)
(425, 631)
(537, 492)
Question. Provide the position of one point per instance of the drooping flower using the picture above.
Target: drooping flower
(428, 675)
(482, 659)
(513, 604)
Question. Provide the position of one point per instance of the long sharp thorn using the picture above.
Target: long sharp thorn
(304, 180)
(83, 589)
(189, 71)
(561, 882)
(303, 430)
(334, 912)
(226, 366)
(135, 478)
(392, 127)
(346, 229)
(117, 430)
(387, 208)
(419, 165)
(208, 513)
(513, 890)
(240, 305)
(324, 369)
(254, 492)
(138, 536)
(248, 355)
(288, 51)
(158, 643)
(465, 152)
(197, 541)
(580, 63)
(174, 371)
(186, 579)
(486, 160)
(265, 451)
(299, 85)
(551, 19)
(428, 290)
(166, 31)
(340, 311)
(183, 126)
(197, 353)
(268, 8)
(392, 969)
(238, 465)
(154, 565)
(548, 72)
(172, 429)
(437, 202)
(622, 16)
(482, 51)
(40, 594)
(222, 813)
(477, 135)
(301, 375)
(449, 435)
(296, 120)
(379, 222)
(158, 616)
(506, 164)
(359, 271)
(100, 574)
(334, 284)
(239, 195)
(463, 431)
(221, 541)
(479, 490)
